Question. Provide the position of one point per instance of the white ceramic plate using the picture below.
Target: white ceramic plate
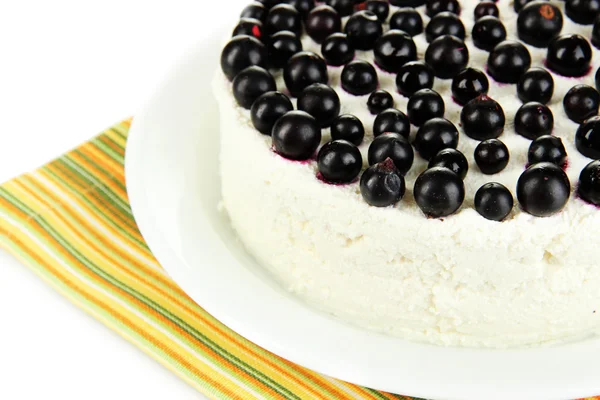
(173, 184)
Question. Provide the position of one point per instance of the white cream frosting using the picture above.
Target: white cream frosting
(461, 280)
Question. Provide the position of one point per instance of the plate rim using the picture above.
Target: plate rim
(418, 385)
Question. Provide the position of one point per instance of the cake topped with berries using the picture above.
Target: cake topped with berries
(423, 168)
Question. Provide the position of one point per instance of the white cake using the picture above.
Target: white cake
(460, 280)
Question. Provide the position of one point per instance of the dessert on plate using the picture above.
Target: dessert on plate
(423, 168)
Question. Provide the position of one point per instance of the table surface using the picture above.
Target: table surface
(69, 70)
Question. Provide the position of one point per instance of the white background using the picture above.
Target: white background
(69, 69)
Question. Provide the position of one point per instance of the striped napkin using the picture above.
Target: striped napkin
(71, 223)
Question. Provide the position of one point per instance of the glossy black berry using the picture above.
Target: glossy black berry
(381, 185)
(302, 70)
(589, 183)
(407, 19)
(435, 7)
(394, 146)
(488, 32)
(348, 127)
(359, 78)
(583, 12)
(596, 33)
(569, 55)
(494, 201)
(267, 109)
(282, 46)
(452, 159)
(381, 8)
(391, 120)
(587, 138)
(414, 76)
(269, 3)
(283, 17)
(519, 4)
(343, 7)
(581, 102)
(425, 105)
(538, 23)
(249, 27)
(444, 23)
(447, 56)
(547, 148)
(321, 22)
(242, 52)
(483, 118)
(469, 84)
(303, 6)
(543, 189)
(407, 3)
(339, 161)
(533, 120)
(486, 8)
(254, 10)
(491, 156)
(320, 101)
(250, 84)
(296, 135)
(536, 84)
(439, 192)
(363, 29)
(508, 61)
(336, 49)
(394, 49)
(379, 101)
(434, 136)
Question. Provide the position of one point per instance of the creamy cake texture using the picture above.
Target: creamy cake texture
(458, 280)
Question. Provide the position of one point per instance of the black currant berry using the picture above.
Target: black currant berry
(494, 201)
(445, 23)
(254, 10)
(569, 55)
(538, 23)
(242, 52)
(533, 120)
(587, 138)
(359, 78)
(336, 49)
(447, 56)
(391, 120)
(435, 135)
(435, 7)
(508, 61)
(547, 148)
(320, 101)
(348, 127)
(583, 12)
(485, 9)
(414, 76)
(343, 7)
(439, 192)
(393, 50)
(249, 27)
(395, 147)
(425, 105)
(250, 84)
(469, 84)
(381, 185)
(589, 183)
(581, 102)
(339, 161)
(379, 101)
(321, 22)
(407, 19)
(483, 118)
(488, 32)
(282, 46)
(543, 189)
(267, 109)
(381, 8)
(491, 156)
(363, 29)
(296, 135)
(452, 159)
(536, 84)
(302, 70)
(283, 17)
